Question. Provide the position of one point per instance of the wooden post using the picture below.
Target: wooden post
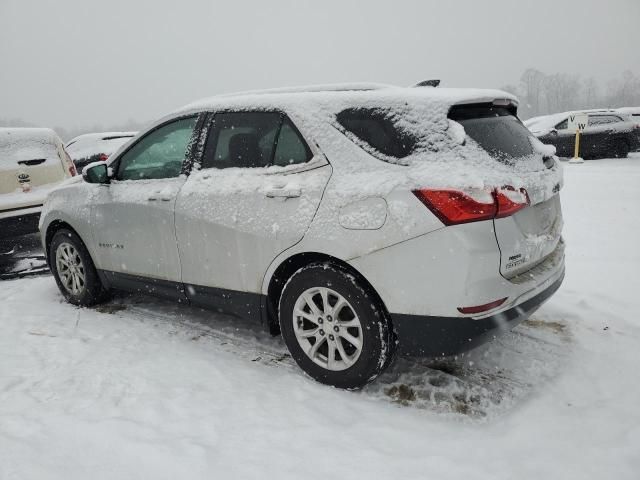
(576, 151)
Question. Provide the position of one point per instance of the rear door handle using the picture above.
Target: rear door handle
(284, 192)
(164, 199)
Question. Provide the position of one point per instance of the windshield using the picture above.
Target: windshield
(496, 129)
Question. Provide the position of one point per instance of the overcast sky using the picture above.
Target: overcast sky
(82, 62)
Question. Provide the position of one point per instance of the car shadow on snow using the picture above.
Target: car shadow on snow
(485, 382)
(479, 385)
(22, 257)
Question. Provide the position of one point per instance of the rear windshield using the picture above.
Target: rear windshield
(16, 148)
(377, 129)
(496, 129)
(87, 147)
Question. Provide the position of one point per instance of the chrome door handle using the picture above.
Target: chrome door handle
(284, 192)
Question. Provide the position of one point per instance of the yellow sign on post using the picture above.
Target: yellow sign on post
(577, 122)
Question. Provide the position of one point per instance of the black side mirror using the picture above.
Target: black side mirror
(96, 172)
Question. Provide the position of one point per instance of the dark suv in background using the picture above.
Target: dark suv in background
(608, 134)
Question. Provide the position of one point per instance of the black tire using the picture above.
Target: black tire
(620, 149)
(378, 344)
(92, 291)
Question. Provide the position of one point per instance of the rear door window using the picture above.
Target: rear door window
(376, 128)
(291, 148)
(252, 140)
(496, 129)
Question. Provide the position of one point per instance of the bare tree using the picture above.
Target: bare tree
(532, 81)
(590, 93)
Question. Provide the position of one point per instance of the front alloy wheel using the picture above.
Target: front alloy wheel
(70, 269)
(73, 269)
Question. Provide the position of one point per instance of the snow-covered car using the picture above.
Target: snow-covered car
(609, 133)
(633, 111)
(93, 147)
(356, 220)
(32, 162)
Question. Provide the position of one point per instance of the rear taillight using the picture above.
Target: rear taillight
(72, 170)
(103, 157)
(454, 207)
(509, 200)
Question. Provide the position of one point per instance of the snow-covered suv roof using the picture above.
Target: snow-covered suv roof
(337, 97)
(442, 154)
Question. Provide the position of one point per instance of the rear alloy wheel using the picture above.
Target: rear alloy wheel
(335, 330)
(327, 328)
(74, 271)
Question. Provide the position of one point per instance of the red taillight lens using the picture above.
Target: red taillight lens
(453, 207)
(103, 157)
(72, 170)
(482, 308)
(509, 201)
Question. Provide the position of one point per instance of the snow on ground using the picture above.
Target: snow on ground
(140, 388)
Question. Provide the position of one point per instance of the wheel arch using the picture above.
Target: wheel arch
(52, 228)
(292, 264)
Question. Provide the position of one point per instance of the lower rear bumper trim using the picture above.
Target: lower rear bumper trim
(430, 336)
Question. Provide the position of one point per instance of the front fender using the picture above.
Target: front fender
(69, 205)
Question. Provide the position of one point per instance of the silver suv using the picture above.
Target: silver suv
(357, 221)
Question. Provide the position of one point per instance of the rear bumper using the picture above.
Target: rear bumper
(443, 336)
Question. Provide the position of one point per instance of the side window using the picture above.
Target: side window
(562, 125)
(159, 154)
(241, 139)
(291, 148)
(602, 119)
(376, 127)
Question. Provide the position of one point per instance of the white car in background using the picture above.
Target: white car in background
(356, 220)
(32, 162)
(633, 111)
(93, 147)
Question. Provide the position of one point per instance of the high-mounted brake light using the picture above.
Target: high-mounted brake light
(454, 207)
(103, 157)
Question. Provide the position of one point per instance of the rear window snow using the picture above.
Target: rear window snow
(495, 129)
(389, 134)
(26, 144)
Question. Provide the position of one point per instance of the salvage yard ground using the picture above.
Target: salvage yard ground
(141, 388)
